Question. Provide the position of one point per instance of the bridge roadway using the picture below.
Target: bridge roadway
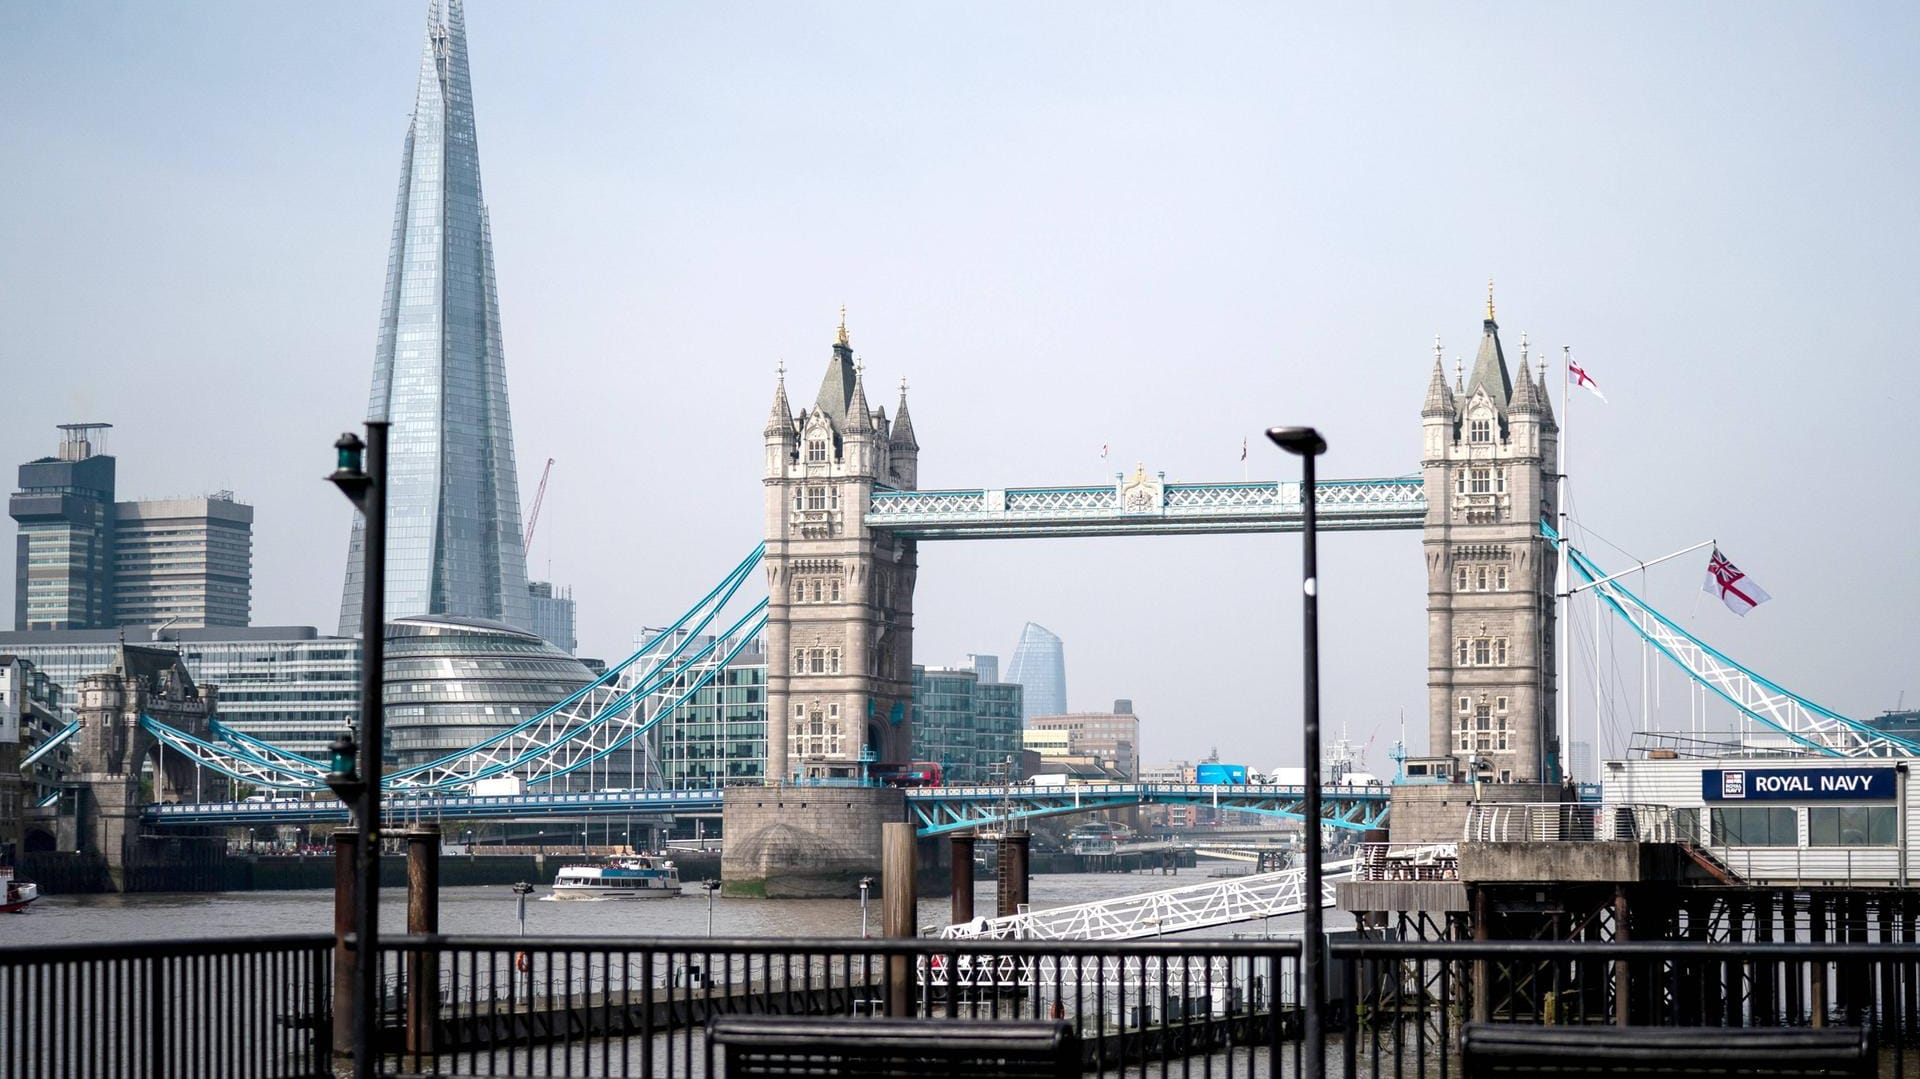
(935, 810)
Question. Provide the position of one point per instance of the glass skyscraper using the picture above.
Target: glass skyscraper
(1040, 665)
(439, 373)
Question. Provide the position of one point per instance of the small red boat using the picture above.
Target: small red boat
(18, 893)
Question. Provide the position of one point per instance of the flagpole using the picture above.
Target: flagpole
(1563, 682)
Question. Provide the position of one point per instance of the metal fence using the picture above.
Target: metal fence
(249, 1009)
(1539, 822)
(625, 1006)
(1411, 1000)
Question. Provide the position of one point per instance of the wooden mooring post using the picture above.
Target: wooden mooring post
(423, 917)
(897, 902)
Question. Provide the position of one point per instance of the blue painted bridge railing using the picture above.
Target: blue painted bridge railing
(936, 810)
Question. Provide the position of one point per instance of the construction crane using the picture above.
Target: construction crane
(533, 516)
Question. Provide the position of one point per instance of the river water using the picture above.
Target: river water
(65, 919)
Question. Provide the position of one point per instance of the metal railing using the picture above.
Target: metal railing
(1411, 1000)
(259, 1007)
(1540, 822)
(626, 1006)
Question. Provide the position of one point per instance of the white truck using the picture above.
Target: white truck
(492, 785)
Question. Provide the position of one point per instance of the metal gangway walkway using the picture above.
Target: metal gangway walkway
(1152, 914)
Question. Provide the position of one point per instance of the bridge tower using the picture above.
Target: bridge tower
(840, 620)
(1489, 461)
(114, 755)
(839, 642)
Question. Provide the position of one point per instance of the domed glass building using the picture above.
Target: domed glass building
(453, 680)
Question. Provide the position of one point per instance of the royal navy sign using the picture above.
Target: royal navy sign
(1798, 785)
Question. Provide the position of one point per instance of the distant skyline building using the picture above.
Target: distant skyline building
(63, 570)
(553, 615)
(967, 721)
(1111, 738)
(1039, 665)
(183, 561)
(85, 561)
(439, 375)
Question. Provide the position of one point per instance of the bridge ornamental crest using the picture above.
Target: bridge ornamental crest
(1141, 493)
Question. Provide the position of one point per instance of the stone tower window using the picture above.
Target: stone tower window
(799, 590)
(833, 587)
(833, 661)
(816, 451)
(1482, 652)
(816, 498)
(1480, 579)
(1500, 578)
(1462, 576)
(1482, 481)
(1480, 431)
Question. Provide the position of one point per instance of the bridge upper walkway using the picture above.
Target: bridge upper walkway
(1148, 507)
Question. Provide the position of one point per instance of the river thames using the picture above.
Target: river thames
(491, 909)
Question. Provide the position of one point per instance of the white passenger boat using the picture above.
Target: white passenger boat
(15, 894)
(637, 877)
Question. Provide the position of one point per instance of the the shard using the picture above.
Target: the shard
(439, 375)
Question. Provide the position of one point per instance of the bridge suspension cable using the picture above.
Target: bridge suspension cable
(1758, 698)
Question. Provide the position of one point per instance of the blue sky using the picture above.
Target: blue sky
(1159, 227)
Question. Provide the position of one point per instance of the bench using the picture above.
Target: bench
(1577, 1052)
(761, 1045)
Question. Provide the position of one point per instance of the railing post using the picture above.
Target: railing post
(897, 903)
(1622, 967)
(346, 869)
(423, 918)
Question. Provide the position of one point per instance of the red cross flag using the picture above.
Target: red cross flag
(1579, 377)
(1734, 588)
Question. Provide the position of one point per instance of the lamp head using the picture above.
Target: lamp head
(342, 777)
(1302, 441)
(349, 474)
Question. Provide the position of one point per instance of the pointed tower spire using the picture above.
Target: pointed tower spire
(1439, 397)
(780, 418)
(859, 413)
(836, 388)
(1490, 366)
(903, 423)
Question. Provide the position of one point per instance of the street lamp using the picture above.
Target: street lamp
(865, 883)
(360, 472)
(1306, 443)
(711, 886)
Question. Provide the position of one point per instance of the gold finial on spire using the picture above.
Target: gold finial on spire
(841, 339)
(1489, 299)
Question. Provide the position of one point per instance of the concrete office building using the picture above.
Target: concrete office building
(1112, 738)
(184, 562)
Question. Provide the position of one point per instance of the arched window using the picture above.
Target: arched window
(1500, 578)
(799, 590)
(799, 661)
(816, 451)
(816, 589)
(1482, 652)
(833, 589)
(1500, 651)
(799, 499)
(833, 661)
(1481, 430)
(818, 660)
(1462, 651)
(1462, 575)
(1481, 579)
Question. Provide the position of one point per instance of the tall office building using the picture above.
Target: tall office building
(87, 562)
(439, 372)
(552, 614)
(1111, 738)
(1040, 665)
(63, 571)
(185, 562)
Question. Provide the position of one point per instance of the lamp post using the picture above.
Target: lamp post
(865, 883)
(711, 886)
(1306, 443)
(366, 488)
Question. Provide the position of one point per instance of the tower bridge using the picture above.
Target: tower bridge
(843, 522)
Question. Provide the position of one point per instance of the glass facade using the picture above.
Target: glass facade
(453, 681)
(553, 614)
(964, 724)
(453, 508)
(1040, 666)
(719, 736)
(63, 570)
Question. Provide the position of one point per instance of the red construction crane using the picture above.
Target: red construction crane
(533, 516)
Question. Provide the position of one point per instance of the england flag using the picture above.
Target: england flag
(1734, 588)
(1579, 377)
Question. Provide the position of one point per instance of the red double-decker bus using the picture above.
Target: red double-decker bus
(911, 774)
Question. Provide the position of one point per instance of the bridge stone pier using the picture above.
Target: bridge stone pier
(114, 755)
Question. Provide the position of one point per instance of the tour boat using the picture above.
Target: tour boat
(638, 877)
(19, 893)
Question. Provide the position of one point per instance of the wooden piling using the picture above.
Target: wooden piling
(897, 902)
(962, 853)
(423, 917)
(346, 871)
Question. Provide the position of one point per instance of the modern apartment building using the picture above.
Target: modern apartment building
(968, 726)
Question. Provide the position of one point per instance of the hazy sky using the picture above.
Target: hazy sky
(1160, 227)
